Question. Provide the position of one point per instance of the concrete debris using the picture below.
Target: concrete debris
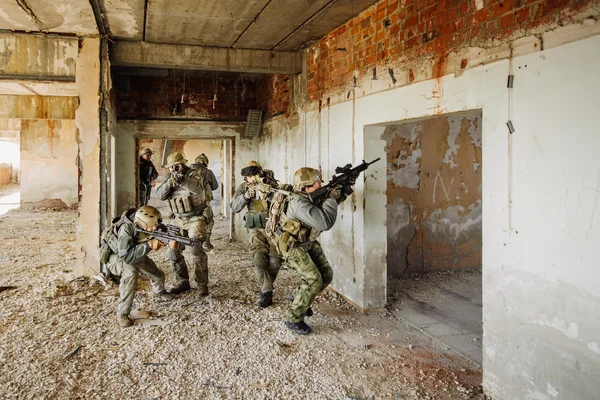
(197, 339)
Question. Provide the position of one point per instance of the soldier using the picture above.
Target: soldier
(255, 194)
(299, 227)
(148, 175)
(201, 163)
(188, 195)
(130, 257)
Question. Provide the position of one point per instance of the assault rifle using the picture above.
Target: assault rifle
(344, 178)
(166, 233)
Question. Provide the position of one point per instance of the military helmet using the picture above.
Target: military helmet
(306, 177)
(175, 158)
(147, 217)
(202, 159)
(251, 168)
(147, 150)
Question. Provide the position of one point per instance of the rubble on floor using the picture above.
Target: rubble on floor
(59, 337)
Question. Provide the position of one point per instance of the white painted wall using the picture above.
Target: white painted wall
(541, 298)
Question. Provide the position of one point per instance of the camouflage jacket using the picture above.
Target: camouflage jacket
(129, 250)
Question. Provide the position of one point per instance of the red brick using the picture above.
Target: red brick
(412, 42)
(507, 20)
(452, 14)
(555, 5)
(501, 8)
(522, 15)
(412, 21)
(464, 8)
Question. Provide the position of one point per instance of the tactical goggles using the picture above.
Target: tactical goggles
(251, 171)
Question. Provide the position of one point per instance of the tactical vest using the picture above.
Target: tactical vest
(258, 206)
(186, 204)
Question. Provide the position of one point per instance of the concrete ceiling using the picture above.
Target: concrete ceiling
(285, 25)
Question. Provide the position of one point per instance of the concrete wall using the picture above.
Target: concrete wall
(434, 193)
(244, 149)
(49, 172)
(540, 187)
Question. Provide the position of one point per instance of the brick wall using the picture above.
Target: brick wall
(273, 95)
(155, 97)
(396, 32)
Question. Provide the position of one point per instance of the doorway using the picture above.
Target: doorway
(219, 155)
(434, 237)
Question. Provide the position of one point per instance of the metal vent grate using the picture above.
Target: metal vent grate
(253, 122)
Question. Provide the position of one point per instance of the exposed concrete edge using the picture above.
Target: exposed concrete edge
(141, 54)
(37, 78)
(461, 60)
(376, 310)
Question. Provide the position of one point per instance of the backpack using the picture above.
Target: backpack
(108, 240)
(277, 210)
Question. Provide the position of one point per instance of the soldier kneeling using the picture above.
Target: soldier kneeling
(130, 257)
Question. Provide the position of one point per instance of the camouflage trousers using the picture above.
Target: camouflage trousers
(210, 216)
(267, 261)
(315, 273)
(195, 228)
(129, 275)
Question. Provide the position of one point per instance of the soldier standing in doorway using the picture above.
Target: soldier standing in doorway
(255, 195)
(188, 195)
(148, 175)
(201, 163)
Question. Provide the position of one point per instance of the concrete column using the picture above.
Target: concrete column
(87, 119)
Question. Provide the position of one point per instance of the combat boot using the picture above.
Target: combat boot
(182, 287)
(299, 327)
(266, 299)
(203, 290)
(208, 245)
(163, 295)
(124, 321)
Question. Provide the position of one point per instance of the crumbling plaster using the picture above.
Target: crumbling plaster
(45, 56)
(539, 218)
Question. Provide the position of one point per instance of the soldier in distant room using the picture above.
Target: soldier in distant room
(201, 163)
(148, 175)
(255, 194)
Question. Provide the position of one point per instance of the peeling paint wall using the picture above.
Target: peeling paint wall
(37, 55)
(434, 193)
(48, 163)
(38, 107)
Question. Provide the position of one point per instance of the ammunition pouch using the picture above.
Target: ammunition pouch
(187, 206)
(293, 234)
(256, 220)
(105, 253)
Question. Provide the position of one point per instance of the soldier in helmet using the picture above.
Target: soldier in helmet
(300, 226)
(201, 163)
(254, 194)
(188, 193)
(129, 258)
(148, 175)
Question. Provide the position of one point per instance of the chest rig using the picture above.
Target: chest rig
(184, 203)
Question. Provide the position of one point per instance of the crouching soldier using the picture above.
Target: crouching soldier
(299, 228)
(188, 194)
(255, 195)
(129, 257)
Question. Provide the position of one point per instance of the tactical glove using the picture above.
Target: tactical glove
(337, 195)
(177, 177)
(250, 193)
(154, 244)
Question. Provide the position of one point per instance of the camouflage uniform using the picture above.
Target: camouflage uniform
(214, 185)
(267, 260)
(302, 224)
(129, 259)
(189, 202)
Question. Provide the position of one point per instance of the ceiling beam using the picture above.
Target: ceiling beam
(139, 54)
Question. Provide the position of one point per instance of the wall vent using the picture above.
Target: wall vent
(253, 123)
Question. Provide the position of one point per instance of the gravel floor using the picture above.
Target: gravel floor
(59, 338)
